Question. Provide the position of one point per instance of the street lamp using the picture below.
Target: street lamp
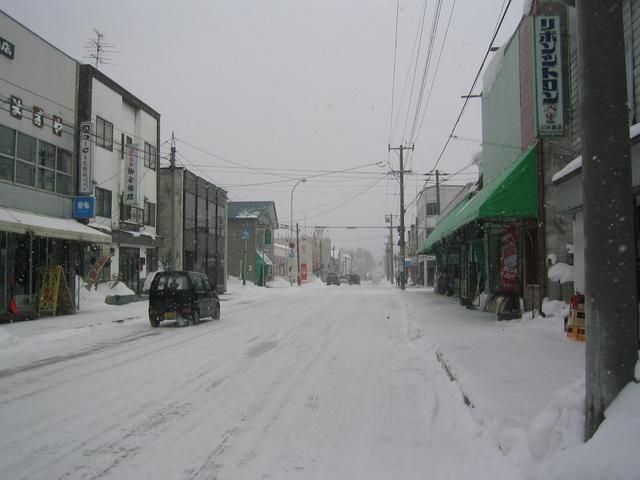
(302, 180)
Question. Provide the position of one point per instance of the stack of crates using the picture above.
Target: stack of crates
(576, 327)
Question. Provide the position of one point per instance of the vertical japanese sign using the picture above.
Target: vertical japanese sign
(509, 261)
(130, 196)
(86, 159)
(549, 75)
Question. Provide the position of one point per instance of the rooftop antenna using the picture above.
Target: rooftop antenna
(98, 50)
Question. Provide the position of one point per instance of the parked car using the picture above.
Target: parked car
(183, 296)
(343, 278)
(332, 279)
(354, 279)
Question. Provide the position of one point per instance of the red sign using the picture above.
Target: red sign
(303, 272)
(97, 267)
(509, 261)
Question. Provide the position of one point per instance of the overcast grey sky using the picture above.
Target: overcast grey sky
(295, 87)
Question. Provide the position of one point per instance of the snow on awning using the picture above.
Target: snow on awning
(18, 221)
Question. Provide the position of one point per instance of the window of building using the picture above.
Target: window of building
(124, 140)
(36, 163)
(150, 155)
(432, 208)
(46, 166)
(103, 202)
(7, 152)
(64, 171)
(104, 133)
(26, 157)
(149, 214)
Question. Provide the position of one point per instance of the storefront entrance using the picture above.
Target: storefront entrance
(130, 267)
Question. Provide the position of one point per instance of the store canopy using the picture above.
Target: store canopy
(18, 221)
(512, 194)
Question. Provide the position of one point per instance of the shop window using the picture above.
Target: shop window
(64, 162)
(150, 155)
(47, 155)
(46, 179)
(63, 184)
(25, 173)
(104, 133)
(103, 202)
(7, 141)
(149, 214)
(26, 148)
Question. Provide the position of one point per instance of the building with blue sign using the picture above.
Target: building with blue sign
(38, 168)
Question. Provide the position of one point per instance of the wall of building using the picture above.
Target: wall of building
(501, 120)
(165, 200)
(45, 77)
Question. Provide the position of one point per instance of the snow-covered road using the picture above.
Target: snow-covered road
(318, 382)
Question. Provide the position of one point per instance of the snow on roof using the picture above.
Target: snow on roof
(570, 167)
(576, 163)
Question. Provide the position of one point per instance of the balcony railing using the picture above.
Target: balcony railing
(131, 214)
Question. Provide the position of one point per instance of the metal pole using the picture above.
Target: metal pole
(402, 249)
(298, 252)
(172, 168)
(611, 309)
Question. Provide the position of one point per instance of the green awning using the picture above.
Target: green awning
(512, 194)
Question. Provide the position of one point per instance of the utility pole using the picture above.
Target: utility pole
(437, 192)
(390, 276)
(611, 308)
(298, 251)
(402, 148)
(172, 168)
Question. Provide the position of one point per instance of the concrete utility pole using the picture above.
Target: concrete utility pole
(611, 308)
(298, 251)
(172, 168)
(401, 229)
(390, 276)
(437, 192)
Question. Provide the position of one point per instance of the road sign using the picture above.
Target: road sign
(245, 234)
(84, 207)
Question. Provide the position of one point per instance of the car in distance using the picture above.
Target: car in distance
(332, 279)
(182, 296)
(354, 279)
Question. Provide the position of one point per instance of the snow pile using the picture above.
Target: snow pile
(555, 308)
(571, 167)
(279, 282)
(492, 71)
(558, 428)
(561, 272)
(93, 298)
(611, 453)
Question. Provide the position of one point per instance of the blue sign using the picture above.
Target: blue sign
(84, 207)
(245, 234)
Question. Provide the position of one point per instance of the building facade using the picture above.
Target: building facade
(38, 168)
(200, 210)
(251, 237)
(124, 174)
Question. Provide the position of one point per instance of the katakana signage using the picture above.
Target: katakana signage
(131, 160)
(7, 48)
(86, 159)
(549, 75)
(38, 117)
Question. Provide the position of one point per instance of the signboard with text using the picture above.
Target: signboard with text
(84, 207)
(549, 75)
(131, 161)
(86, 159)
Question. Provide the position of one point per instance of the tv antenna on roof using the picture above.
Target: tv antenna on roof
(98, 50)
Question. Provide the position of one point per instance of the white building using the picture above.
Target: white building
(126, 134)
